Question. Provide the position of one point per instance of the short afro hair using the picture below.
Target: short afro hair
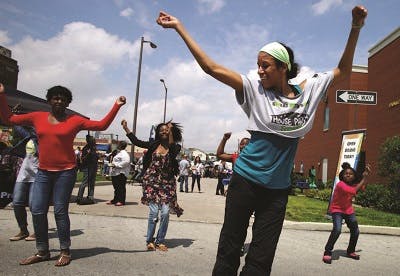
(59, 91)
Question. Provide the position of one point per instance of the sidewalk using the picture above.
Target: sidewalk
(204, 207)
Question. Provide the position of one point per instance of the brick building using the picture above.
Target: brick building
(321, 146)
(8, 68)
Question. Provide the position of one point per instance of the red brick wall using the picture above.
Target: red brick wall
(381, 120)
(384, 122)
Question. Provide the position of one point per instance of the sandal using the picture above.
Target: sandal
(37, 258)
(63, 260)
(162, 247)
(151, 247)
(31, 237)
(20, 236)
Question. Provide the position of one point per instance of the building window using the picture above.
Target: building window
(326, 118)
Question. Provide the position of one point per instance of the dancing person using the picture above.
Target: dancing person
(121, 166)
(25, 178)
(230, 157)
(159, 185)
(184, 167)
(279, 114)
(197, 172)
(56, 174)
(88, 166)
(341, 208)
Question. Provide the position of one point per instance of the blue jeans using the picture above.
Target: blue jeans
(184, 178)
(352, 223)
(154, 209)
(56, 186)
(20, 201)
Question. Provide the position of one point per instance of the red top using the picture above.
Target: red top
(56, 140)
(342, 198)
(234, 157)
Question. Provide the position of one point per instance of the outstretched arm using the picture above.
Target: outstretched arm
(210, 67)
(359, 13)
(221, 147)
(107, 120)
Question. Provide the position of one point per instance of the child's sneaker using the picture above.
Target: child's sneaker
(327, 258)
(353, 255)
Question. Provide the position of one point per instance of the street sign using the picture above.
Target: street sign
(356, 97)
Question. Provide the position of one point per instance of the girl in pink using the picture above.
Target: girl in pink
(341, 208)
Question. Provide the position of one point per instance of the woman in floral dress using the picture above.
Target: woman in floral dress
(159, 184)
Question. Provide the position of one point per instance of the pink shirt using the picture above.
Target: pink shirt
(342, 199)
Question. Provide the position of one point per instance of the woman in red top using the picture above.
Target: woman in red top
(57, 165)
(341, 208)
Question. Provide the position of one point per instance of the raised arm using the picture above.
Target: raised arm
(221, 148)
(107, 120)
(210, 67)
(364, 180)
(132, 137)
(359, 13)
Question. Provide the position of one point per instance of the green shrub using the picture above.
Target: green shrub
(371, 195)
(323, 195)
(380, 197)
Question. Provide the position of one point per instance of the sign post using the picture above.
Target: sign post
(356, 97)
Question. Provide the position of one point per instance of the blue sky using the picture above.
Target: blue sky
(92, 47)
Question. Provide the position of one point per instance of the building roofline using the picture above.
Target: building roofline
(360, 69)
(384, 42)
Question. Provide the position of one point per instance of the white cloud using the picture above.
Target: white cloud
(4, 39)
(323, 6)
(210, 6)
(126, 12)
(81, 57)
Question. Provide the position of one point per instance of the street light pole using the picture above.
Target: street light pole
(152, 45)
(165, 101)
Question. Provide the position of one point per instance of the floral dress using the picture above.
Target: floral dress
(158, 186)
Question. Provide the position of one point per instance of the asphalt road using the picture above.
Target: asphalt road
(109, 240)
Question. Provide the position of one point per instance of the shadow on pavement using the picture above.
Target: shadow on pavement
(172, 243)
(89, 252)
(336, 254)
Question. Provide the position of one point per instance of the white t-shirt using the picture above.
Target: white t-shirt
(270, 112)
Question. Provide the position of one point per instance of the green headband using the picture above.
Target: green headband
(279, 52)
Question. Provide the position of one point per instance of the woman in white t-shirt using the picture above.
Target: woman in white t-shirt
(279, 114)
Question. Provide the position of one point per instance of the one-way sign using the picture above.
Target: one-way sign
(356, 97)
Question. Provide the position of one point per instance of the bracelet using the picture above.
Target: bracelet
(357, 27)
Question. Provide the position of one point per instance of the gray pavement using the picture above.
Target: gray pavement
(111, 240)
